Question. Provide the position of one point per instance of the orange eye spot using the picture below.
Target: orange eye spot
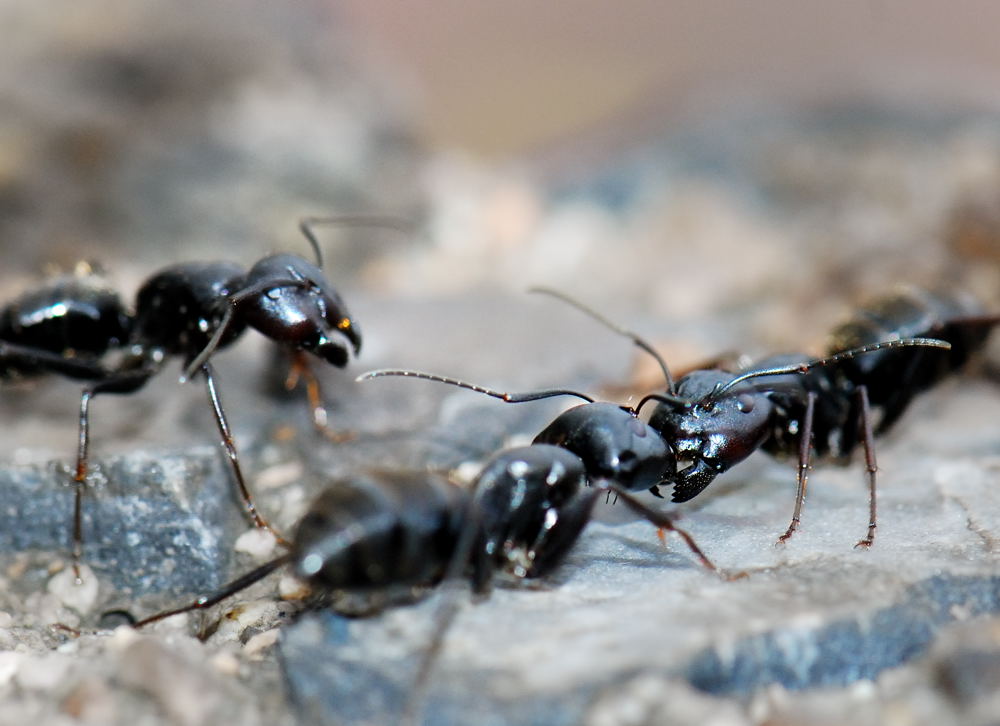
(344, 323)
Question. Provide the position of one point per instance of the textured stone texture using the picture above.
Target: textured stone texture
(746, 234)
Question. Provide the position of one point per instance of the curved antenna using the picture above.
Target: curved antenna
(506, 397)
(226, 591)
(835, 358)
(386, 221)
(634, 337)
(675, 401)
(213, 343)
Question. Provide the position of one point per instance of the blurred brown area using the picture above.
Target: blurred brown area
(517, 77)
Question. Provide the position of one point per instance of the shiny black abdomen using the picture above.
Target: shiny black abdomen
(379, 530)
(76, 317)
(893, 377)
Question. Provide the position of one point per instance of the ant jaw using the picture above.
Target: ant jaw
(353, 333)
(335, 346)
(333, 352)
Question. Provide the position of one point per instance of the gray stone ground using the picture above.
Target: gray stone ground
(750, 233)
(628, 631)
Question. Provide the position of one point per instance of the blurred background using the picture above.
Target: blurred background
(687, 156)
(723, 177)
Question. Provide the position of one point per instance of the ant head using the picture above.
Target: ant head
(289, 300)
(614, 445)
(711, 431)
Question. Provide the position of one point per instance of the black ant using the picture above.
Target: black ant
(794, 405)
(715, 418)
(189, 310)
(379, 531)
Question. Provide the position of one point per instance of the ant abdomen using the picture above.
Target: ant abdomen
(894, 375)
(377, 530)
(77, 316)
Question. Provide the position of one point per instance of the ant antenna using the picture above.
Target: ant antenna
(506, 397)
(634, 337)
(306, 225)
(836, 358)
(675, 401)
(226, 591)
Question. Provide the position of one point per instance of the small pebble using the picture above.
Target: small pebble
(256, 542)
(226, 663)
(78, 596)
(43, 672)
(9, 664)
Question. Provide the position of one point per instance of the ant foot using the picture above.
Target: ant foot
(335, 437)
(783, 539)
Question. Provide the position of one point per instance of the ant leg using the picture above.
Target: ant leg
(870, 465)
(123, 383)
(50, 362)
(301, 369)
(805, 454)
(229, 444)
(207, 601)
(79, 480)
(451, 592)
(663, 521)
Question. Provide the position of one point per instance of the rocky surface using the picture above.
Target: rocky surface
(750, 233)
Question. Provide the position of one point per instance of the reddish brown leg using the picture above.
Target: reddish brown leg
(805, 455)
(301, 370)
(870, 464)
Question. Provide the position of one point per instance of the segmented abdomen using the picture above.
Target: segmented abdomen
(909, 313)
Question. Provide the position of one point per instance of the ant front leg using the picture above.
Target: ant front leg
(805, 454)
(229, 444)
(665, 522)
(301, 369)
(226, 591)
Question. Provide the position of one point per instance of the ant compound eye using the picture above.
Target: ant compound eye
(745, 403)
